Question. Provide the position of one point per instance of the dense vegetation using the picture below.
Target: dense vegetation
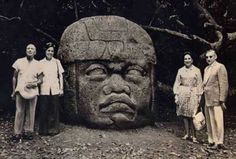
(175, 27)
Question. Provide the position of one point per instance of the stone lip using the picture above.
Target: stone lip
(118, 103)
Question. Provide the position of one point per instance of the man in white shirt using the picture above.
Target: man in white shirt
(25, 91)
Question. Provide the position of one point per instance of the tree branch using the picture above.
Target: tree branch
(22, 3)
(34, 28)
(76, 10)
(44, 33)
(231, 36)
(9, 19)
(178, 34)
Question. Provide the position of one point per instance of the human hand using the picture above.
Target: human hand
(31, 85)
(176, 99)
(199, 99)
(61, 92)
(223, 106)
(13, 95)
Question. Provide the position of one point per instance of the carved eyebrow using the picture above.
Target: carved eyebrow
(94, 66)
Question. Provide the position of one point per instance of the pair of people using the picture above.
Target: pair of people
(188, 89)
(29, 75)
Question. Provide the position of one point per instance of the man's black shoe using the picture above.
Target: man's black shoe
(28, 136)
(210, 145)
(221, 146)
(215, 147)
(16, 138)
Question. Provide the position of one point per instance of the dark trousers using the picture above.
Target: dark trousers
(49, 114)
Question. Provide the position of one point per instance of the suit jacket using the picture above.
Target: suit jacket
(215, 84)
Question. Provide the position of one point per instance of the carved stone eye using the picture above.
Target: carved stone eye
(96, 70)
(134, 72)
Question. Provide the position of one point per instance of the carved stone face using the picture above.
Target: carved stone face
(110, 62)
(113, 93)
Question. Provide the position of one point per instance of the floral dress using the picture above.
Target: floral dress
(187, 88)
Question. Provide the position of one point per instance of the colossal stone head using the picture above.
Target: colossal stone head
(109, 62)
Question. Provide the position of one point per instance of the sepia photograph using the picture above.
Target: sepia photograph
(117, 79)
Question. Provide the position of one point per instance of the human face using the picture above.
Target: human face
(49, 53)
(30, 50)
(188, 61)
(113, 93)
(211, 57)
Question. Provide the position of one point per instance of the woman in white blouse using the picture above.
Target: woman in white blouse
(50, 90)
(188, 90)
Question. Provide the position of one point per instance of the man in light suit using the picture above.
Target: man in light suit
(215, 91)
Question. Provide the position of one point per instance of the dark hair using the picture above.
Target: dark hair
(187, 53)
(48, 45)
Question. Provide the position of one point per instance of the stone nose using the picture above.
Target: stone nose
(116, 84)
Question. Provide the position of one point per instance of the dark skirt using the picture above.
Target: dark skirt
(49, 114)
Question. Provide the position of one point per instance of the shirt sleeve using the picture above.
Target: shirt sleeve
(15, 65)
(199, 82)
(177, 83)
(39, 67)
(223, 83)
(60, 68)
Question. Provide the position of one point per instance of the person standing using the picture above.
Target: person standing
(188, 90)
(50, 90)
(215, 91)
(25, 81)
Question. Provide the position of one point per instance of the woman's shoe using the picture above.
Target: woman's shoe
(194, 139)
(186, 137)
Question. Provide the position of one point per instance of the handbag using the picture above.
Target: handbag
(199, 121)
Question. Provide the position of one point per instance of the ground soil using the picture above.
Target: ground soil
(163, 140)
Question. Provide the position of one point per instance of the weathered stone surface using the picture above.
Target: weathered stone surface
(109, 62)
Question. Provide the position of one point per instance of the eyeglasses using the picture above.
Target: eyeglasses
(209, 57)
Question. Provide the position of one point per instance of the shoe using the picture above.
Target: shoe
(194, 139)
(186, 137)
(222, 146)
(53, 132)
(210, 145)
(28, 136)
(43, 134)
(16, 138)
(214, 147)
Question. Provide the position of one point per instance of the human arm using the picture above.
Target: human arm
(60, 77)
(199, 85)
(176, 87)
(223, 85)
(14, 82)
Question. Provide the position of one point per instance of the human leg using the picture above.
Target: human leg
(219, 124)
(209, 125)
(19, 119)
(186, 126)
(54, 122)
(44, 115)
(30, 114)
(19, 115)
(193, 131)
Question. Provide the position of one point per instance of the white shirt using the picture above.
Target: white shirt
(52, 70)
(28, 71)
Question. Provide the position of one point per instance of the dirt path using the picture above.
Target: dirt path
(160, 141)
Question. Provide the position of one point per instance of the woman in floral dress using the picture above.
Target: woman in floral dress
(188, 90)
